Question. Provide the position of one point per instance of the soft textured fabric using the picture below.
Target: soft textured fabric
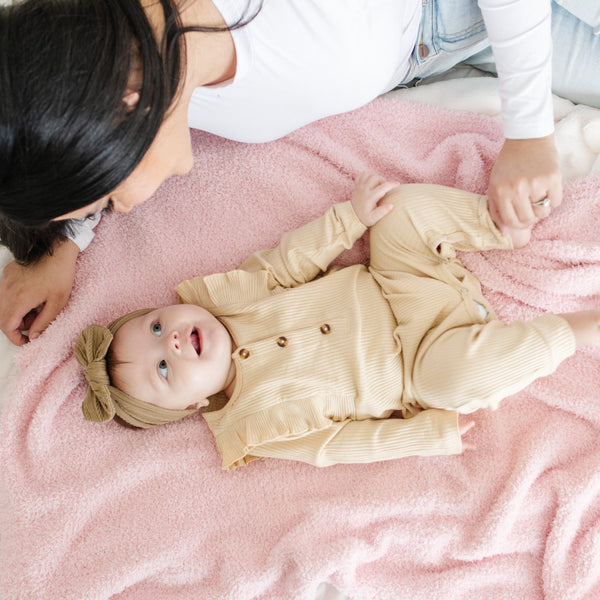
(298, 61)
(302, 60)
(105, 512)
(324, 365)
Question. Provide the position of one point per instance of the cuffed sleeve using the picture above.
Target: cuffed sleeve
(83, 230)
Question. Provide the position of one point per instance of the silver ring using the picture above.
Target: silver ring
(545, 201)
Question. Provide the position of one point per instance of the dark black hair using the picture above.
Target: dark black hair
(66, 137)
(29, 244)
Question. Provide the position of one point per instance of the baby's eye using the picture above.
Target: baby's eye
(156, 328)
(162, 368)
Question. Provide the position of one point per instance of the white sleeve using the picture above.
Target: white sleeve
(83, 230)
(521, 38)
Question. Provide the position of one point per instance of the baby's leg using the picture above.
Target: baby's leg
(427, 225)
(413, 253)
(453, 352)
(414, 261)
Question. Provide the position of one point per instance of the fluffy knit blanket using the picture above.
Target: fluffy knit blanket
(101, 512)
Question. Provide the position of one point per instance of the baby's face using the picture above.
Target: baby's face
(174, 357)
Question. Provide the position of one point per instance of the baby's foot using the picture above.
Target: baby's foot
(519, 237)
(585, 325)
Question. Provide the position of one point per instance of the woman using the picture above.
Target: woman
(98, 95)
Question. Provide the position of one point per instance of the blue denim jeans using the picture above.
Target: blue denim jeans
(453, 32)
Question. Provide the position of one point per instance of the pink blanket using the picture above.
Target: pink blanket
(96, 512)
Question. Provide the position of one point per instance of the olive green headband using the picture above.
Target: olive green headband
(103, 401)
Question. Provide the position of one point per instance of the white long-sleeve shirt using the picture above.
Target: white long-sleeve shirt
(302, 60)
(520, 35)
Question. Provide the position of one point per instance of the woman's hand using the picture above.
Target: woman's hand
(369, 189)
(526, 172)
(32, 296)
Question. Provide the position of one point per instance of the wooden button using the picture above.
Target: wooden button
(244, 353)
(423, 51)
(325, 329)
(282, 341)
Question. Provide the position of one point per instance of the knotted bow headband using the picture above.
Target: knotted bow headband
(103, 401)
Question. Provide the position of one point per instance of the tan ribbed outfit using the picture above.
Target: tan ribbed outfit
(369, 363)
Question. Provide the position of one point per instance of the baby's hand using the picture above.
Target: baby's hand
(369, 189)
(585, 325)
(465, 427)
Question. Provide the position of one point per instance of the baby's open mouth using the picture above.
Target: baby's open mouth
(195, 339)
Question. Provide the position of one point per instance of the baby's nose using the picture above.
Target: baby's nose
(174, 340)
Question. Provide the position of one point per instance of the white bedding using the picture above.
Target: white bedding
(577, 137)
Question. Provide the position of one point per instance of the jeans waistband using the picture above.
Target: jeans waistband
(451, 31)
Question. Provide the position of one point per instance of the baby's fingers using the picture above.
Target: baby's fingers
(384, 188)
(379, 212)
(466, 426)
(368, 191)
(368, 179)
(463, 428)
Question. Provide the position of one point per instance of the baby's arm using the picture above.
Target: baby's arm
(307, 251)
(428, 433)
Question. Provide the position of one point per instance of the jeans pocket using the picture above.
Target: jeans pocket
(458, 24)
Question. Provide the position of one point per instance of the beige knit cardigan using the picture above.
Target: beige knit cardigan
(319, 372)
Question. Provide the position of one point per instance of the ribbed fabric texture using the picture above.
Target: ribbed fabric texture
(322, 363)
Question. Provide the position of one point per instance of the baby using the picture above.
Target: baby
(293, 360)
